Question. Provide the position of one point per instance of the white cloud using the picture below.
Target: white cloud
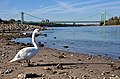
(88, 7)
(98, 6)
(62, 7)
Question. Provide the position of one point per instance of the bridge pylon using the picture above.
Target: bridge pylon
(22, 17)
(103, 18)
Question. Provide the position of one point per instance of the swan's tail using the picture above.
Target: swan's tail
(13, 60)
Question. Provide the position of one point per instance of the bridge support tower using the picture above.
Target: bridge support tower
(103, 18)
(22, 17)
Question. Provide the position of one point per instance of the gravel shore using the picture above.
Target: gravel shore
(18, 27)
(55, 64)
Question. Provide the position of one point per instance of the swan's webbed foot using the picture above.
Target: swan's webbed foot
(29, 63)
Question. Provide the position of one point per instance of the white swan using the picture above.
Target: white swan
(28, 52)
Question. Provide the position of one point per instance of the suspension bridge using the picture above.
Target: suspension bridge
(75, 22)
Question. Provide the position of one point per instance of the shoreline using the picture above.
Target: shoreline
(112, 25)
(74, 65)
(54, 64)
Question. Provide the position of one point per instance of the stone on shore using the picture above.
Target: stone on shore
(59, 66)
(28, 75)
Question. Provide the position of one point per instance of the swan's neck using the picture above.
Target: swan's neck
(34, 41)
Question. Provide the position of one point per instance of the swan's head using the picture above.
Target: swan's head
(37, 31)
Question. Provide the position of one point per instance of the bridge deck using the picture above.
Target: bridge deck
(76, 21)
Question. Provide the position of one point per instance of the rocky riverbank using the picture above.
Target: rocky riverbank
(54, 64)
(9, 31)
(18, 27)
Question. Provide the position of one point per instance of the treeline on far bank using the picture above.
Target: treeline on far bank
(112, 21)
(11, 21)
(49, 24)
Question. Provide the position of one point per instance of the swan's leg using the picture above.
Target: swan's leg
(28, 62)
(19, 61)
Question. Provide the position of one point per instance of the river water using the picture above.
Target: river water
(96, 40)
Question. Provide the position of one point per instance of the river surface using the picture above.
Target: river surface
(96, 40)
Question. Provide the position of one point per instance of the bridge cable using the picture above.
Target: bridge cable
(89, 16)
(33, 16)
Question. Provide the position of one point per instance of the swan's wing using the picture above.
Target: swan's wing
(25, 53)
(28, 52)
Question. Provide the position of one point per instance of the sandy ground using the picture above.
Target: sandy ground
(45, 65)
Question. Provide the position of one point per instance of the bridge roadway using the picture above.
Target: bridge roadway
(65, 23)
(76, 21)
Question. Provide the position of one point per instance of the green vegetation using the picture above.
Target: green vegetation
(11, 21)
(113, 21)
(40, 23)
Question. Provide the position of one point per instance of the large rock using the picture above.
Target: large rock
(7, 71)
(116, 77)
(28, 75)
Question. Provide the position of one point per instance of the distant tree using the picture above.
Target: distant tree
(12, 21)
(115, 18)
(5, 21)
(113, 21)
(18, 21)
(112, 18)
(1, 20)
(119, 20)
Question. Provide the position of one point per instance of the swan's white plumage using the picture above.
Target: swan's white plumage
(28, 52)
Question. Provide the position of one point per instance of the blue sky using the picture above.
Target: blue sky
(59, 9)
